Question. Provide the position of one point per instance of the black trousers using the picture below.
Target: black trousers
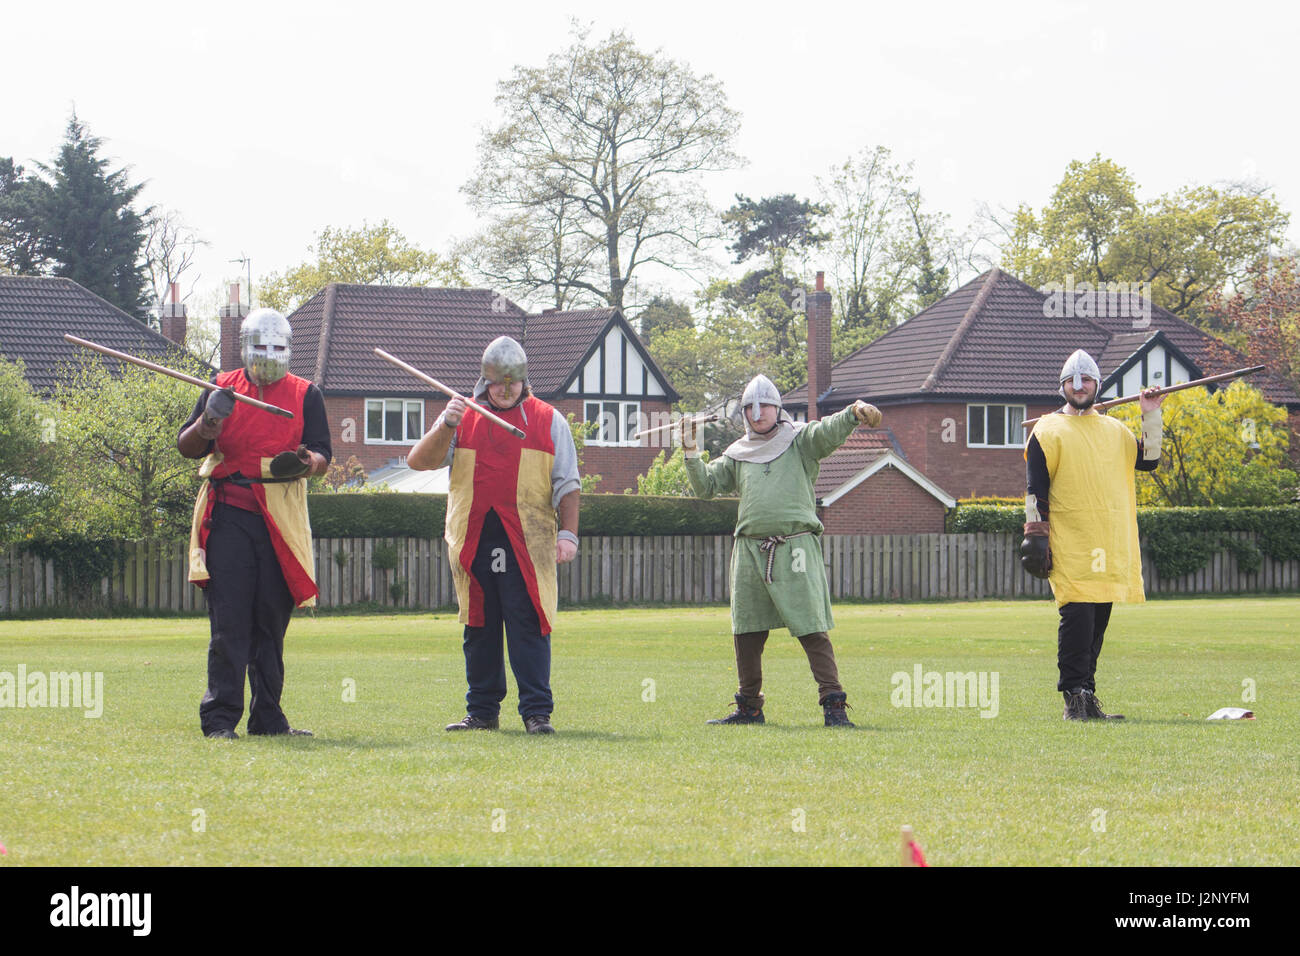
(1078, 644)
(506, 605)
(249, 607)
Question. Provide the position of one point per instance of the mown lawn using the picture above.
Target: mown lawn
(634, 775)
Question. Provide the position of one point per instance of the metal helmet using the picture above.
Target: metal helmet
(265, 341)
(504, 363)
(1079, 364)
(760, 391)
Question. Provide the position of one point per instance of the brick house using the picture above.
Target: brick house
(586, 362)
(956, 380)
(36, 312)
(868, 487)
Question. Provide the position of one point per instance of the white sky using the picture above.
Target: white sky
(264, 122)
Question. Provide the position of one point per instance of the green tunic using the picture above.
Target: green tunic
(777, 498)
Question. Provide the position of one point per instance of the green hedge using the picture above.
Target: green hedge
(377, 516)
(1179, 540)
(654, 515)
(424, 516)
(998, 519)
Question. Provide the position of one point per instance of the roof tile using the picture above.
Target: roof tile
(36, 311)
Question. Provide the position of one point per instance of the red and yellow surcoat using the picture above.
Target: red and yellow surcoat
(249, 440)
(492, 469)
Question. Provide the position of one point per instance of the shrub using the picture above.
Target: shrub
(424, 516)
(1179, 540)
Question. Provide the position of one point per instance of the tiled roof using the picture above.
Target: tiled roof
(862, 449)
(997, 336)
(442, 332)
(558, 341)
(36, 311)
(1210, 355)
(1120, 348)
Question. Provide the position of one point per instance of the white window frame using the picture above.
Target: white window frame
(407, 405)
(1011, 423)
(629, 414)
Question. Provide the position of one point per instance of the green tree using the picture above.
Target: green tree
(889, 258)
(21, 250)
(667, 475)
(27, 431)
(774, 226)
(612, 140)
(119, 473)
(770, 302)
(712, 359)
(932, 244)
(771, 307)
(581, 431)
(663, 314)
(1226, 449)
(370, 255)
(89, 230)
(1264, 314)
(1188, 244)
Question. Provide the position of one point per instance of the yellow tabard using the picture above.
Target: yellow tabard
(1092, 506)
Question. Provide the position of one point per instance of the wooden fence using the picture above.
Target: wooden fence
(623, 570)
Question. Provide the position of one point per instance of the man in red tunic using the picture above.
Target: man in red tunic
(250, 544)
(502, 535)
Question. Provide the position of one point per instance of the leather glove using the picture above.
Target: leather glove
(1035, 550)
(291, 464)
(867, 415)
(218, 408)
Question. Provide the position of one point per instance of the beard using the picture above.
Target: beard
(1082, 404)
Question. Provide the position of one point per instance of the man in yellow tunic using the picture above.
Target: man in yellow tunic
(1081, 522)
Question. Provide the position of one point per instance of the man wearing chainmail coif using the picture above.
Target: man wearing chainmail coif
(777, 575)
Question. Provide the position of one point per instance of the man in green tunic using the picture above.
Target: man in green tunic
(777, 575)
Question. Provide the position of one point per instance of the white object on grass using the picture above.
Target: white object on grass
(1232, 713)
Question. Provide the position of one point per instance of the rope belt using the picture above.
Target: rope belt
(770, 544)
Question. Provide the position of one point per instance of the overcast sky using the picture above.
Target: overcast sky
(264, 122)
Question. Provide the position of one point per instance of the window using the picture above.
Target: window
(994, 426)
(394, 421)
(617, 421)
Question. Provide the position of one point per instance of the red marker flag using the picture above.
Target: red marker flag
(913, 855)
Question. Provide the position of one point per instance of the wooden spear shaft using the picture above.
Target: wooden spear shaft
(163, 369)
(1208, 380)
(430, 380)
(700, 420)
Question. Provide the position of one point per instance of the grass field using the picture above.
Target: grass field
(635, 777)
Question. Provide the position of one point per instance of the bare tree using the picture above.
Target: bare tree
(541, 252)
(615, 140)
(170, 248)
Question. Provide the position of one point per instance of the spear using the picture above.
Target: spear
(428, 379)
(210, 386)
(1208, 380)
(698, 420)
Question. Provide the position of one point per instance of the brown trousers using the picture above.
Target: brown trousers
(749, 664)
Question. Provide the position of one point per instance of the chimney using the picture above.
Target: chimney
(171, 317)
(819, 344)
(232, 316)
